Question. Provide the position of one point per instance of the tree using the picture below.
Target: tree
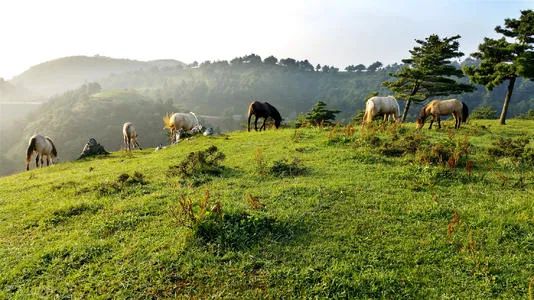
(288, 62)
(325, 69)
(252, 59)
(305, 65)
(271, 60)
(359, 68)
(374, 66)
(320, 115)
(429, 72)
(318, 68)
(350, 68)
(506, 58)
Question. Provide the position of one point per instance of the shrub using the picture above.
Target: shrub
(508, 147)
(318, 116)
(484, 112)
(123, 181)
(238, 230)
(529, 115)
(284, 168)
(190, 214)
(198, 166)
(448, 153)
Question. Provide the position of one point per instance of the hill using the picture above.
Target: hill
(63, 74)
(350, 213)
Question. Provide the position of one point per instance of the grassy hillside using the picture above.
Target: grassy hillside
(360, 216)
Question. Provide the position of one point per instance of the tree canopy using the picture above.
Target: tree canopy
(429, 72)
(507, 58)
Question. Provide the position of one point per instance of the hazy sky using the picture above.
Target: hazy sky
(326, 32)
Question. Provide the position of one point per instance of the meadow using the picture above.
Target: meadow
(337, 212)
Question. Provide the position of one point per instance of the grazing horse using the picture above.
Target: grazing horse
(263, 110)
(437, 108)
(44, 146)
(387, 106)
(176, 121)
(130, 136)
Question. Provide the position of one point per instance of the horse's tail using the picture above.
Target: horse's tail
(250, 109)
(369, 107)
(465, 112)
(31, 148)
(196, 119)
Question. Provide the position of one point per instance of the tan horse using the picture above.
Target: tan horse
(130, 136)
(44, 147)
(437, 108)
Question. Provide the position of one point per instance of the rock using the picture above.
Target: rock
(92, 148)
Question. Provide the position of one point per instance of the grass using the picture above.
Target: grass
(359, 223)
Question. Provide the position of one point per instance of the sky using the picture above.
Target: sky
(329, 32)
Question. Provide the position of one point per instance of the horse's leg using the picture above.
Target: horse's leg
(263, 125)
(439, 122)
(42, 161)
(37, 161)
(48, 160)
(28, 160)
(431, 122)
(256, 123)
(248, 123)
(385, 117)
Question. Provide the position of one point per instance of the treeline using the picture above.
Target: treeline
(226, 87)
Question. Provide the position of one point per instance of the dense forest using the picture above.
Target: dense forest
(219, 88)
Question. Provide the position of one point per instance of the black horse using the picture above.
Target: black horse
(263, 110)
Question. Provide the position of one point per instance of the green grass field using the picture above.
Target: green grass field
(360, 222)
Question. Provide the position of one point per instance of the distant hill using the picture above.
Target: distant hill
(62, 74)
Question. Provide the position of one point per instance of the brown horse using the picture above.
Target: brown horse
(437, 108)
(263, 110)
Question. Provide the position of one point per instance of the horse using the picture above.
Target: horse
(176, 121)
(44, 147)
(387, 106)
(263, 110)
(437, 108)
(129, 136)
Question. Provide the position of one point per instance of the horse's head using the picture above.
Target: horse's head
(277, 123)
(419, 122)
(167, 123)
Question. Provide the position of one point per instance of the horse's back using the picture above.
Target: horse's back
(128, 129)
(381, 104)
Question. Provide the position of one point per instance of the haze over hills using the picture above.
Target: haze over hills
(57, 76)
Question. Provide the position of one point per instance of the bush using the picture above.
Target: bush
(123, 181)
(284, 168)
(516, 148)
(529, 115)
(198, 166)
(448, 153)
(318, 116)
(484, 112)
(191, 214)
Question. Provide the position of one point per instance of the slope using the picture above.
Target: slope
(359, 222)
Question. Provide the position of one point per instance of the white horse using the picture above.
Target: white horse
(177, 121)
(44, 147)
(130, 136)
(387, 106)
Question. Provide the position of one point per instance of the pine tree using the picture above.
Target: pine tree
(506, 58)
(320, 115)
(429, 72)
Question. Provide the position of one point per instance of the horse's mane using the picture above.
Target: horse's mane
(275, 114)
(54, 150)
(167, 120)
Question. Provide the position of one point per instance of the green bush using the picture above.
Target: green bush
(198, 167)
(484, 112)
(284, 168)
